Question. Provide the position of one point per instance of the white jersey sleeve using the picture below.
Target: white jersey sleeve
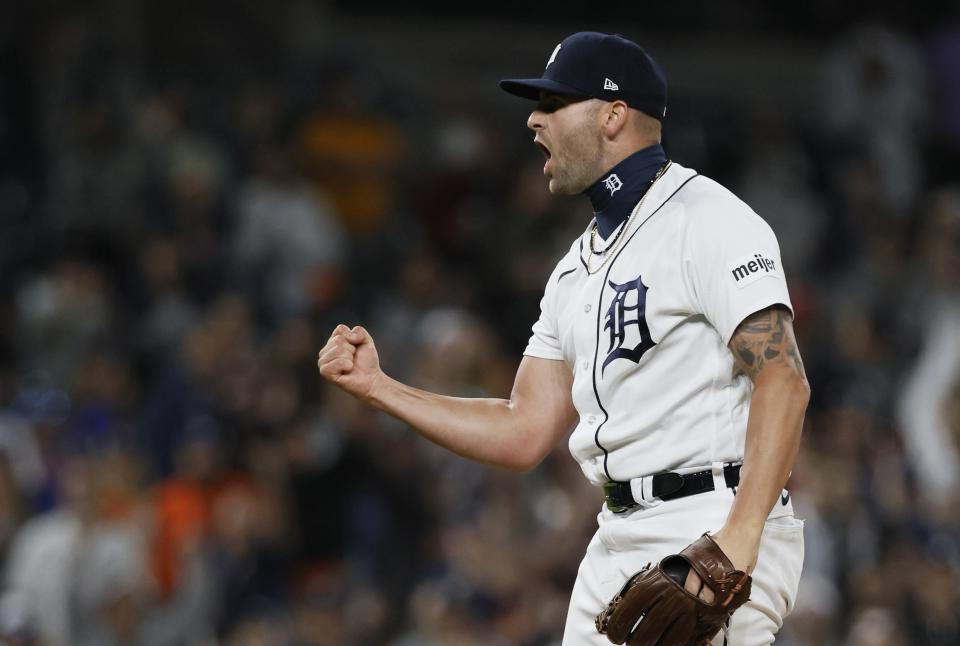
(544, 341)
(732, 264)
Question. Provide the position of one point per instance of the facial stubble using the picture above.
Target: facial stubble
(581, 161)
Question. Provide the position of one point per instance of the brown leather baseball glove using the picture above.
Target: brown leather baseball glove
(654, 609)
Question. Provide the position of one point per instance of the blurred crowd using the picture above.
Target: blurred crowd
(183, 225)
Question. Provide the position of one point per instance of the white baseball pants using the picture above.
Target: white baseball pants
(625, 543)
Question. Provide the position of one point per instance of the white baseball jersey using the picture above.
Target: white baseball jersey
(646, 336)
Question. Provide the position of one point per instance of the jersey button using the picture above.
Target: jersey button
(586, 364)
(591, 419)
(586, 308)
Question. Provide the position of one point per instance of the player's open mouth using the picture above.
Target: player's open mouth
(546, 153)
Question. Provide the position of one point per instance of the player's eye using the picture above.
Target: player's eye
(552, 102)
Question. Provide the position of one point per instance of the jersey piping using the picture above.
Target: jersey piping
(596, 348)
(566, 273)
(580, 256)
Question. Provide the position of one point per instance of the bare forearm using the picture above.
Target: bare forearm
(773, 438)
(515, 433)
(490, 431)
(765, 349)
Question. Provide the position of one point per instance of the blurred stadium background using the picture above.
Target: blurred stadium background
(193, 193)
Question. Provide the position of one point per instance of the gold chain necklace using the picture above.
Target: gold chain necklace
(608, 251)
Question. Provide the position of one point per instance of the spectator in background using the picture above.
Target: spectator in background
(182, 505)
(83, 577)
(778, 184)
(288, 244)
(212, 380)
(170, 311)
(925, 404)
(63, 311)
(876, 98)
(194, 182)
(354, 154)
(23, 467)
(876, 627)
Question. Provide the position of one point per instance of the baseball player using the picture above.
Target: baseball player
(665, 341)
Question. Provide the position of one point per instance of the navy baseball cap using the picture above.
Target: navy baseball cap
(592, 65)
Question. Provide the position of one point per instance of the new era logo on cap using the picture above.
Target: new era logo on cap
(610, 85)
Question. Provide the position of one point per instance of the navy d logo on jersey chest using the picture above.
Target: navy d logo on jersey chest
(626, 321)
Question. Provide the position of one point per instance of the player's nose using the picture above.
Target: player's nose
(535, 120)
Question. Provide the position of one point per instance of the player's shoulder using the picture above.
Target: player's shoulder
(707, 206)
(703, 197)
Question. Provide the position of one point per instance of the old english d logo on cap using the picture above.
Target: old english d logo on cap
(609, 67)
(553, 56)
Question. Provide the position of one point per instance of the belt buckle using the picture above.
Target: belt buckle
(616, 502)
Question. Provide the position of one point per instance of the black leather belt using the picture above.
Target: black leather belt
(668, 486)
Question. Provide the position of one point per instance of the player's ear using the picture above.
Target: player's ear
(615, 118)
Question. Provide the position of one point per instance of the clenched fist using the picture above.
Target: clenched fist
(349, 359)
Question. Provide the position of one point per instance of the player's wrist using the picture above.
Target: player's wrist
(740, 544)
(378, 393)
(746, 533)
(744, 525)
(741, 533)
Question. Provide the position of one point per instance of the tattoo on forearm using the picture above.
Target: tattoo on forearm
(765, 337)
